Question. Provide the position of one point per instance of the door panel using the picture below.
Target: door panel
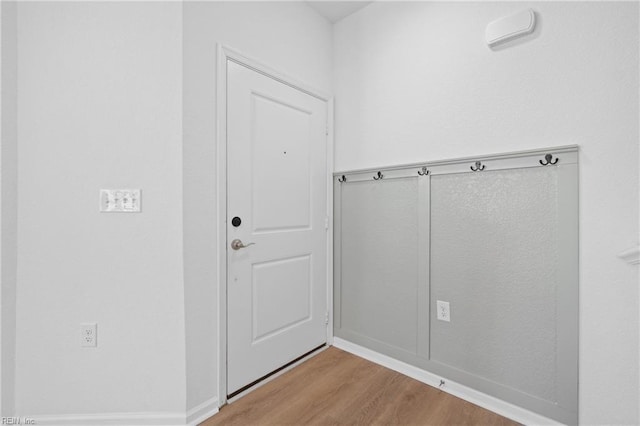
(281, 173)
(283, 279)
(276, 183)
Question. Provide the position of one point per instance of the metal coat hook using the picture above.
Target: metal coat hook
(378, 176)
(342, 179)
(547, 160)
(479, 166)
(424, 171)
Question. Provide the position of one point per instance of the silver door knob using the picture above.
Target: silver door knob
(237, 244)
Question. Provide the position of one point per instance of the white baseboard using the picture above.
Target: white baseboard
(483, 400)
(202, 412)
(193, 416)
(122, 419)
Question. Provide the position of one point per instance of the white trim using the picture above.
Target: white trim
(330, 168)
(498, 406)
(631, 256)
(193, 417)
(202, 412)
(221, 210)
(242, 59)
(225, 54)
(150, 418)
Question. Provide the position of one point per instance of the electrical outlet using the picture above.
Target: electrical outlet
(444, 312)
(89, 334)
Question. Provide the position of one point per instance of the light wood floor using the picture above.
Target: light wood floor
(337, 388)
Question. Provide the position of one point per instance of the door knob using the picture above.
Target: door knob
(237, 244)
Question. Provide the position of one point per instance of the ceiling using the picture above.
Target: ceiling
(336, 10)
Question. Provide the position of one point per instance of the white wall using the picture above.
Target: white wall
(289, 37)
(415, 81)
(100, 99)
(8, 202)
(99, 106)
(100, 93)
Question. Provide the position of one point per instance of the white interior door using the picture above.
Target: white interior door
(277, 190)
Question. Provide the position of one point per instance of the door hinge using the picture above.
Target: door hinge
(326, 222)
(326, 318)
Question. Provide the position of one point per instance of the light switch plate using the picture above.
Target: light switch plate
(120, 200)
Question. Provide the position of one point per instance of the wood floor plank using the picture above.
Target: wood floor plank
(338, 388)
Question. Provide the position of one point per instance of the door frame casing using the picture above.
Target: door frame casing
(225, 54)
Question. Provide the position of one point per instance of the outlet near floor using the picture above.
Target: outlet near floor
(444, 312)
(89, 334)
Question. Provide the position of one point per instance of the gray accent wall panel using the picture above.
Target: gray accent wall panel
(494, 258)
(499, 244)
(379, 261)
